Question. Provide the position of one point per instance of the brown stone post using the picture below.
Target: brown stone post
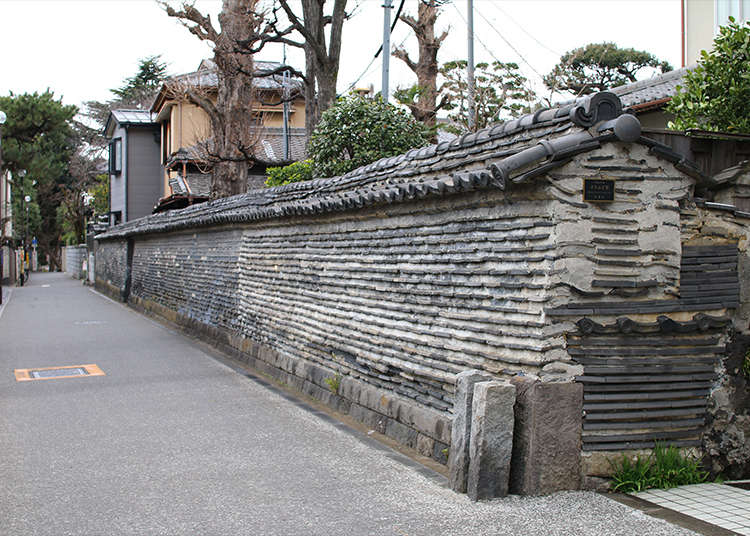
(547, 437)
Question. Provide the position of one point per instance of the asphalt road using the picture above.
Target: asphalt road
(173, 442)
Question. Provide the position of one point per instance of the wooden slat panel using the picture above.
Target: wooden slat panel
(646, 378)
(618, 361)
(643, 436)
(667, 424)
(628, 341)
(575, 352)
(656, 404)
(601, 387)
(638, 445)
(645, 415)
(677, 368)
(668, 395)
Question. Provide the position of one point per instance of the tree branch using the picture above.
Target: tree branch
(401, 54)
(202, 28)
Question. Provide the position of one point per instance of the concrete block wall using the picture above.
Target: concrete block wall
(73, 260)
(111, 266)
(195, 275)
(477, 254)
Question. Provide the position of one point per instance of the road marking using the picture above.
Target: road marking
(45, 286)
(48, 373)
(90, 322)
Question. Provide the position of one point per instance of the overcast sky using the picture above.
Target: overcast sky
(82, 48)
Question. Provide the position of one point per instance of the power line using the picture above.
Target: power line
(487, 49)
(514, 49)
(518, 25)
(380, 49)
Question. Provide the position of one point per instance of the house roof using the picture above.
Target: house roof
(206, 77)
(520, 149)
(270, 148)
(128, 117)
(652, 91)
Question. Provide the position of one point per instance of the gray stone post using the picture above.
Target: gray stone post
(547, 442)
(458, 455)
(491, 442)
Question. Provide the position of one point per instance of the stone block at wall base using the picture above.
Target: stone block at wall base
(491, 443)
(107, 289)
(547, 437)
(595, 483)
(458, 460)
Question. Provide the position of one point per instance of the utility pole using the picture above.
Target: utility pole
(470, 65)
(387, 6)
(285, 98)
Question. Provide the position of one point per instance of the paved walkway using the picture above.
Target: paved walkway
(172, 442)
(722, 505)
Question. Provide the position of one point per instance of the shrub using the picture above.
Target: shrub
(715, 94)
(296, 172)
(357, 131)
(665, 468)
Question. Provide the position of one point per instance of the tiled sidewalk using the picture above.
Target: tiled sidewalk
(718, 504)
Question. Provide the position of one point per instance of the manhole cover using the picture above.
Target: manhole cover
(49, 373)
(53, 373)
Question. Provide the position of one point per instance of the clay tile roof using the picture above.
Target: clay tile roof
(518, 150)
(651, 90)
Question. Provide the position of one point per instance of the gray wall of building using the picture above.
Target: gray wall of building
(117, 196)
(144, 172)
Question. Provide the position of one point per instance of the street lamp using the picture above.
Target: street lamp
(27, 200)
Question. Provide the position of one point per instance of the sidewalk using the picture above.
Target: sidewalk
(170, 441)
(721, 505)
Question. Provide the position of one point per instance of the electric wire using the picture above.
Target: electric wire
(514, 49)
(518, 25)
(487, 49)
(380, 49)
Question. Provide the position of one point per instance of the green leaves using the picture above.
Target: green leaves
(357, 131)
(296, 172)
(39, 138)
(599, 66)
(665, 468)
(501, 92)
(716, 95)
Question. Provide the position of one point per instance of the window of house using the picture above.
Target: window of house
(116, 217)
(166, 142)
(739, 9)
(115, 156)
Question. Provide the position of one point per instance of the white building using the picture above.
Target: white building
(701, 20)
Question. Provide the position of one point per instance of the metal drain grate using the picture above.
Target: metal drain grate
(53, 373)
(50, 373)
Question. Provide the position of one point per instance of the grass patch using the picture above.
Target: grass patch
(666, 467)
(334, 382)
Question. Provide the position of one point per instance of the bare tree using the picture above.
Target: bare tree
(321, 56)
(422, 98)
(233, 132)
(74, 205)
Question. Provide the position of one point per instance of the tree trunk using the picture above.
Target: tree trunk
(322, 60)
(425, 108)
(232, 120)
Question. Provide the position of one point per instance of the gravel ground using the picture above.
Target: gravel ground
(172, 442)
